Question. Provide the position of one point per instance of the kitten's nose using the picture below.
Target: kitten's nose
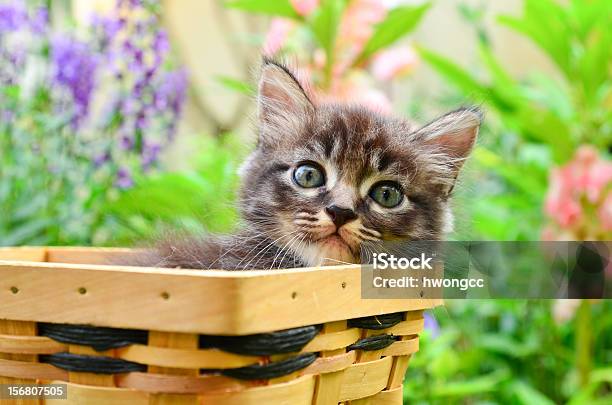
(340, 216)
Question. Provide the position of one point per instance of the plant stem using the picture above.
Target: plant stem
(584, 342)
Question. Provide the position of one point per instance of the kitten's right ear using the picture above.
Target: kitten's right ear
(453, 134)
(450, 139)
(282, 102)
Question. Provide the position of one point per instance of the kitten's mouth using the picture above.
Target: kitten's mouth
(335, 240)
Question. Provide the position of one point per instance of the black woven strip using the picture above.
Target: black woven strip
(263, 344)
(272, 370)
(372, 343)
(377, 321)
(99, 338)
(91, 364)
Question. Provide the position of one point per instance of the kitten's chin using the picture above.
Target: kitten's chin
(329, 251)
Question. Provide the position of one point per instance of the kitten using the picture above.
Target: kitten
(326, 179)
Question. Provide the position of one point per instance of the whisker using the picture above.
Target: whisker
(299, 237)
(303, 221)
(306, 212)
(311, 226)
(265, 249)
(370, 232)
(337, 261)
(365, 237)
(309, 219)
(285, 247)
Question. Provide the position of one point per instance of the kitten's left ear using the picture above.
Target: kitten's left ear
(452, 137)
(282, 101)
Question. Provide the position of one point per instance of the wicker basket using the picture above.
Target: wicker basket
(131, 335)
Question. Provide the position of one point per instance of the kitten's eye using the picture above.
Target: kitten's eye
(387, 193)
(309, 175)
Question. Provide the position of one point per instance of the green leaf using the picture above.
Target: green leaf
(527, 395)
(589, 14)
(11, 92)
(168, 195)
(478, 385)
(588, 395)
(542, 125)
(199, 200)
(546, 23)
(547, 91)
(24, 233)
(454, 74)
(601, 375)
(281, 8)
(505, 92)
(29, 207)
(325, 23)
(506, 345)
(236, 85)
(530, 186)
(595, 62)
(399, 22)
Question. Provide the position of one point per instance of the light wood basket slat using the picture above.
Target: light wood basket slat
(79, 286)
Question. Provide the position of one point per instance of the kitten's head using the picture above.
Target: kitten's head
(326, 179)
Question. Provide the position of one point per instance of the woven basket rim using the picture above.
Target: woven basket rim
(209, 302)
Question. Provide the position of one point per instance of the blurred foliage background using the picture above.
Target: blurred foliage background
(113, 130)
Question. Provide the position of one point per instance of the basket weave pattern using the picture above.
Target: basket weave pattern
(359, 360)
(173, 363)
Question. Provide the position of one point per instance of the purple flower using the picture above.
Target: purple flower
(13, 16)
(160, 47)
(107, 26)
(150, 97)
(150, 154)
(11, 66)
(139, 86)
(129, 107)
(129, 3)
(126, 142)
(141, 120)
(432, 325)
(101, 159)
(172, 91)
(126, 53)
(124, 178)
(40, 21)
(170, 95)
(75, 69)
(7, 115)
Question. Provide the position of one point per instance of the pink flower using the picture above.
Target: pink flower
(579, 200)
(394, 62)
(277, 35)
(357, 89)
(355, 30)
(599, 177)
(319, 59)
(561, 204)
(591, 175)
(304, 7)
(605, 213)
(359, 19)
(375, 100)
